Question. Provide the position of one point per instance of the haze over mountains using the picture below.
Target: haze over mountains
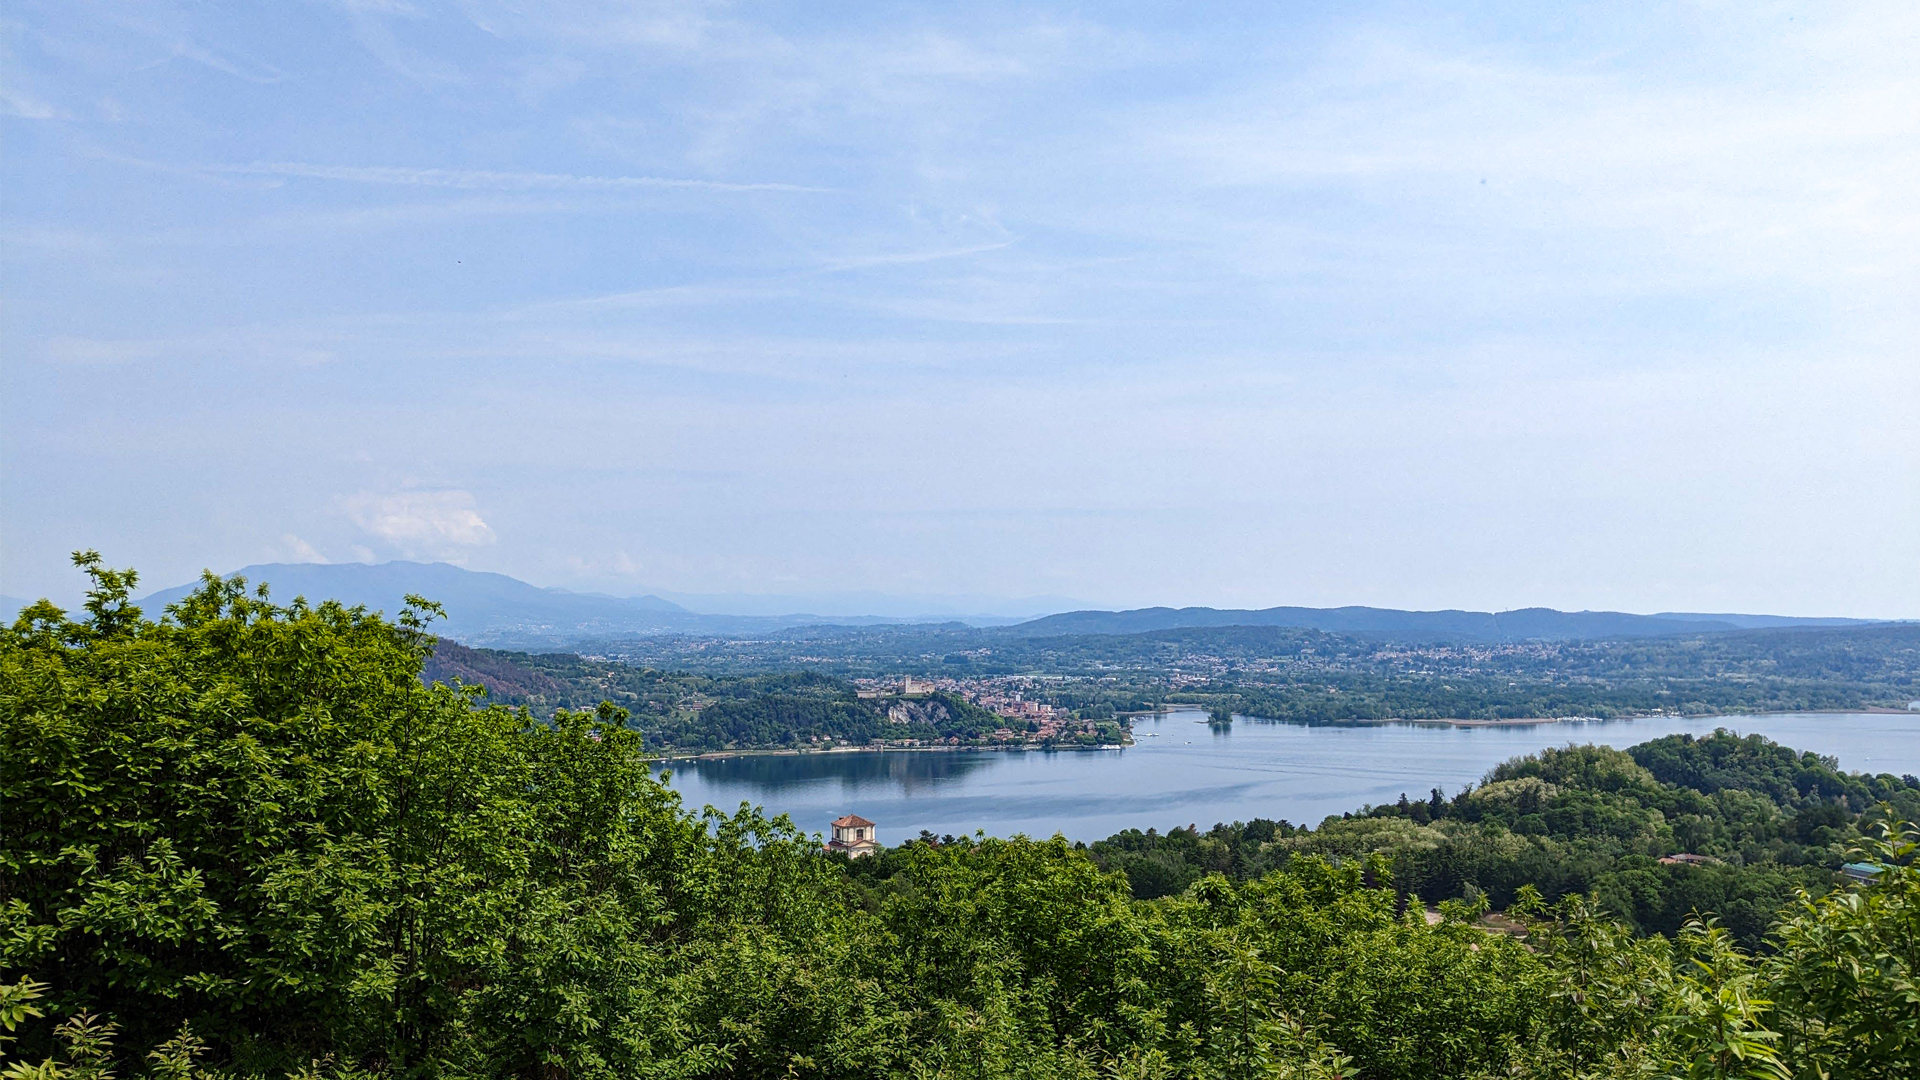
(494, 609)
(1524, 624)
(497, 610)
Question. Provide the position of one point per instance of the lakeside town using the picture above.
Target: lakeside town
(1029, 721)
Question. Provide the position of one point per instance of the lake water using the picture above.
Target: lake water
(1181, 772)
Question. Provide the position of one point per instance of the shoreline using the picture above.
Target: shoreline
(1521, 721)
(1527, 721)
(721, 755)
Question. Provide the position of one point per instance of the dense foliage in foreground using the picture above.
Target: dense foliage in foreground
(246, 840)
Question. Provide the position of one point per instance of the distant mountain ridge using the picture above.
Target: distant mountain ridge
(478, 604)
(1764, 622)
(1522, 624)
(494, 609)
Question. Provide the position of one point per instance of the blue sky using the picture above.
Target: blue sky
(1422, 305)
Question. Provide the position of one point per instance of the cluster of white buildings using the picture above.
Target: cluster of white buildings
(1001, 695)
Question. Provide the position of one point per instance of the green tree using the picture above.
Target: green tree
(1717, 1023)
(1847, 967)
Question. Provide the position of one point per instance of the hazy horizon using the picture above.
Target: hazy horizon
(859, 604)
(1477, 306)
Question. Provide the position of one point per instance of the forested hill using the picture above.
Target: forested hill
(1525, 624)
(1756, 821)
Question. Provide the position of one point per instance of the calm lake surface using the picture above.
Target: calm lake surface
(1181, 772)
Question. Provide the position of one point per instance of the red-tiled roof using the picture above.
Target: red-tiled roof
(851, 821)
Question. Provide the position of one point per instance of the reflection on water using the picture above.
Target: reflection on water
(908, 771)
(1181, 771)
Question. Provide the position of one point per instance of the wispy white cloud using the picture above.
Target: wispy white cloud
(436, 524)
(420, 67)
(168, 28)
(16, 103)
(284, 345)
(493, 180)
(294, 549)
(908, 258)
(253, 72)
(378, 7)
(1794, 166)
